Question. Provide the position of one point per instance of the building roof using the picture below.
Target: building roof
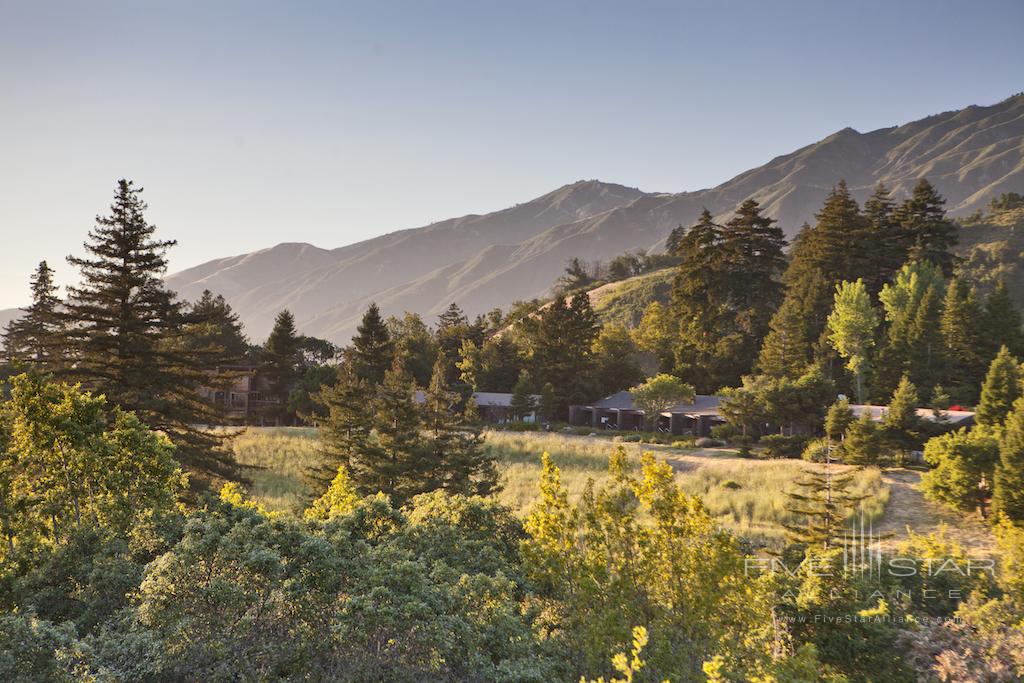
(483, 398)
(623, 400)
(496, 398)
(953, 417)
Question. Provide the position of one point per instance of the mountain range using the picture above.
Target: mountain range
(485, 261)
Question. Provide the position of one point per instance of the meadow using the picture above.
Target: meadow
(746, 496)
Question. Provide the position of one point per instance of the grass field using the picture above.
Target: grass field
(746, 496)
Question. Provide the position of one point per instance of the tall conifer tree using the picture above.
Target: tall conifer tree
(1008, 492)
(372, 351)
(37, 338)
(124, 334)
(961, 328)
(282, 356)
(821, 259)
(1001, 389)
(1001, 323)
(929, 234)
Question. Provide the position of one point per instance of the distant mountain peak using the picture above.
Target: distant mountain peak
(481, 261)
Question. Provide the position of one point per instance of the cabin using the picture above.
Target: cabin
(247, 400)
(492, 406)
(952, 418)
(619, 411)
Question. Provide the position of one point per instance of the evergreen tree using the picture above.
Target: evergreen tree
(561, 340)
(393, 461)
(961, 326)
(929, 234)
(699, 302)
(213, 329)
(888, 240)
(822, 257)
(862, 442)
(1001, 389)
(1001, 323)
(37, 337)
(347, 423)
(838, 418)
(494, 366)
(415, 345)
(281, 359)
(453, 328)
(724, 293)
(372, 352)
(125, 339)
(901, 427)
(1008, 493)
(453, 454)
(822, 503)
(522, 401)
(927, 357)
(753, 247)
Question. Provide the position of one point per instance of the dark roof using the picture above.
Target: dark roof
(623, 400)
(953, 417)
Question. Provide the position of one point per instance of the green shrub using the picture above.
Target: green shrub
(779, 446)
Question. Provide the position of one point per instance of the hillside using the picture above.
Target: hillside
(483, 261)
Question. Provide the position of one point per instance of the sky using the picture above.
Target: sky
(252, 123)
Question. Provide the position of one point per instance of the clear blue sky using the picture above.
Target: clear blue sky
(255, 123)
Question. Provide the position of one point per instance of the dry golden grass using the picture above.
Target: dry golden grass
(276, 460)
(746, 496)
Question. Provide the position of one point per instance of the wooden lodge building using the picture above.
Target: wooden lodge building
(619, 412)
(247, 400)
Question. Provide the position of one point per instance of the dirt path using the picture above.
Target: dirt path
(908, 508)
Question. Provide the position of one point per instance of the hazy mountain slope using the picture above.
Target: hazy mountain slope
(309, 281)
(485, 261)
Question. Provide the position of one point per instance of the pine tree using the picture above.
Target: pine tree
(1008, 493)
(453, 329)
(838, 418)
(862, 443)
(372, 350)
(724, 293)
(561, 341)
(961, 326)
(888, 240)
(522, 402)
(901, 428)
(1001, 323)
(37, 338)
(930, 235)
(822, 257)
(281, 358)
(393, 460)
(348, 423)
(1001, 389)
(823, 502)
(927, 356)
(212, 328)
(453, 452)
(414, 343)
(753, 247)
(124, 335)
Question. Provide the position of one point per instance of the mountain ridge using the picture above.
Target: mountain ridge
(485, 260)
